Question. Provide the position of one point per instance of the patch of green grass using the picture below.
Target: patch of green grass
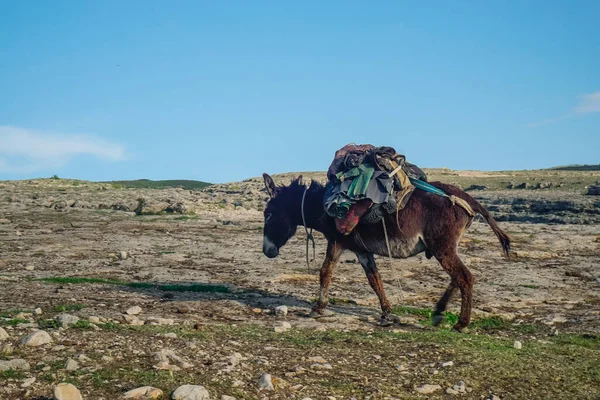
(13, 322)
(68, 307)
(530, 286)
(195, 287)
(12, 374)
(48, 324)
(407, 310)
(83, 324)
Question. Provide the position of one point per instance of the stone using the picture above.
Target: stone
(37, 338)
(71, 365)
(66, 320)
(133, 320)
(321, 366)
(190, 392)
(317, 359)
(428, 389)
(14, 364)
(225, 397)
(94, 320)
(518, 345)
(135, 310)
(37, 311)
(3, 334)
(123, 255)
(170, 335)
(28, 382)
(282, 327)
(7, 349)
(281, 311)
(30, 268)
(264, 382)
(144, 393)
(448, 364)
(160, 321)
(451, 391)
(66, 391)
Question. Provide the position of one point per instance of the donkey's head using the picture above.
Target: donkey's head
(280, 214)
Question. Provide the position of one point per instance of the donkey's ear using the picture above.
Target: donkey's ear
(270, 185)
(298, 180)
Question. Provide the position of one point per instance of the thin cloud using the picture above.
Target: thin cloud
(26, 151)
(588, 103)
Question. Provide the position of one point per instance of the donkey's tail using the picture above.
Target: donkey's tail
(500, 234)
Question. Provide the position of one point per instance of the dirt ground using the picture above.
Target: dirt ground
(552, 283)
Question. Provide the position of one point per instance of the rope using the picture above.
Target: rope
(309, 235)
(387, 242)
(454, 199)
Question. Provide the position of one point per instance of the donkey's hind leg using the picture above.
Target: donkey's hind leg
(334, 251)
(368, 263)
(461, 277)
(442, 304)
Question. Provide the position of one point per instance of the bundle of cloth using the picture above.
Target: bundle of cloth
(366, 182)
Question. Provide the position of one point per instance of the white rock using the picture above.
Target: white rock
(428, 389)
(66, 391)
(133, 320)
(37, 338)
(135, 310)
(14, 364)
(518, 345)
(144, 393)
(30, 268)
(3, 334)
(264, 382)
(448, 364)
(190, 392)
(71, 365)
(224, 397)
(160, 321)
(281, 311)
(66, 320)
(170, 335)
(321, 366)
(28, 382)
(123, 255)
(94, 320)
(282, 327)
(7, 349)
(37, 311)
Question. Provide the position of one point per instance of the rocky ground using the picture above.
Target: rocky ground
(164, 288)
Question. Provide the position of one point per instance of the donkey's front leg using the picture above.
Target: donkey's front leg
(368, 263)
(334, 251)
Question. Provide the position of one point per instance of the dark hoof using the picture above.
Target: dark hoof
(460, 328)
(388, 319)
(437, 319)
(314, 314)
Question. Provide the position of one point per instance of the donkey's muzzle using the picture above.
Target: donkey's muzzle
(269, 249)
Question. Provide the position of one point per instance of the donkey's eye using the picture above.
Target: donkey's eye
(268, 217)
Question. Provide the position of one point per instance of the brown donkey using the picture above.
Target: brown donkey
(429, 223)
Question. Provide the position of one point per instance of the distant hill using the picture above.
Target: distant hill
(150, 184)
(584, 167)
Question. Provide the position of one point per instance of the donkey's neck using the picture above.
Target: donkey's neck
(313, 208)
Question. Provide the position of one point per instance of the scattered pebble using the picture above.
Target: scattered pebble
(225, 397)
(264, 382)
(37, 338)
(123, 255)
(518, 345)
(190, 392)
(170, 335)
(317, 359)
(71, 365)
(94, 320)
(7, 349)
(281, 311)
(37, 311)
(28, 382)
(30, 268)
(282, 327)
(428, 389)
(448, 364)
(135, 310)
(14, 364)
(66, 391)
(66, 320)
(144, 393)
(3, 334)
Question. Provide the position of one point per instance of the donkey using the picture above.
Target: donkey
(429, 223)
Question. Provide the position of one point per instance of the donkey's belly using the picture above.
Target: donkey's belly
(401, 248)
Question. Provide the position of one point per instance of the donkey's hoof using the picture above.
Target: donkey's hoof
(437, 319)
(314, 314)
(459, 328)
(320, 313)
(388, 319)
(385, 322)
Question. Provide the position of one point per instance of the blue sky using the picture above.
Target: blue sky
(222, 91)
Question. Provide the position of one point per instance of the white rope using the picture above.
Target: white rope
(396, 278)
(309, 235)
